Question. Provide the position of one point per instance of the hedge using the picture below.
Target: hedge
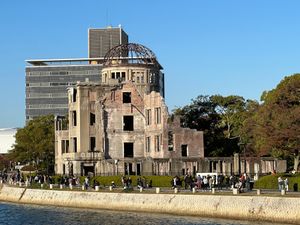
(271, 181)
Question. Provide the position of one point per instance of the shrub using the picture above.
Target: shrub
(271, 181)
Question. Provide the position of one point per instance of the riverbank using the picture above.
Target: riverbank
(275, 209)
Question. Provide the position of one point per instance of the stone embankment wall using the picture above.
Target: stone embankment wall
(276, 209)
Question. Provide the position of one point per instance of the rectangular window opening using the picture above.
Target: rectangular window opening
(128, 123)
(123, 76)
(126, 97)
(148, 142)
(157, 143)
(92, 119)
(148, 116)
(74, 118)
(158, 115)
(170, 141)
(184, 150)
(92, 144)
(128, 150)
(75, 144)
(74, 95)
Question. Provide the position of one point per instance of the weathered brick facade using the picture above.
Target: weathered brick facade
(121, 125)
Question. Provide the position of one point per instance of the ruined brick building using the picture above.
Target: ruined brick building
(121, 124)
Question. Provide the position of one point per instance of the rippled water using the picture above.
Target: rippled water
(33, 214)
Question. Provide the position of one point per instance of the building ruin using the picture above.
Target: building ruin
(121, 124)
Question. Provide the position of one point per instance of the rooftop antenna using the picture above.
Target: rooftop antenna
(120, 27)
(107, 19)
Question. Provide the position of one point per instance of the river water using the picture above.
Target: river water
(15, 214)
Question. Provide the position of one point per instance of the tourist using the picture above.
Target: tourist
(86, 183)
(280, 183)
(205, 182)
(286, 184)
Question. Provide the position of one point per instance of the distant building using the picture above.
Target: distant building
(47, 80)
(102, 40)
(7, 139)
(121, 124)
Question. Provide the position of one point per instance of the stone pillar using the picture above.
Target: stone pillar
(157, 190)
(213, 190)
(175, 190)
(236, 164)
(51, 186)
(235, 191)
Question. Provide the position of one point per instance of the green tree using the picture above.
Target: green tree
(220, 118)
(35, 143)
(278, 120)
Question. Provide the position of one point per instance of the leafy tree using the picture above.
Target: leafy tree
(278, 120)
(219, 118)
(230, 110)
(35, 143)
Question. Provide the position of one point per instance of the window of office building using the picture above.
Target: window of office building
(128, 123)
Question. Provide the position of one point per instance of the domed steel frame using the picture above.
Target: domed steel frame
(131, 53)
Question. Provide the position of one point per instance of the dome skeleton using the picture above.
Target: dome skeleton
(131, 53)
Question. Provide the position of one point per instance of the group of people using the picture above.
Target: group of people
(283, 184)
(242, 182)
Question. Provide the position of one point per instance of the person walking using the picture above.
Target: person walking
(280, 183)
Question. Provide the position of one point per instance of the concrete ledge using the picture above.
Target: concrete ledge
(275, 209)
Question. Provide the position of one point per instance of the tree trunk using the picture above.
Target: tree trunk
(296, 162)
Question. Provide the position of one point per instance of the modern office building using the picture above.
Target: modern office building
(47, 80)
(102, 40)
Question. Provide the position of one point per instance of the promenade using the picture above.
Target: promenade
(269, 206)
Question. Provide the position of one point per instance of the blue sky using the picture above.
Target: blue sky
(206, 47)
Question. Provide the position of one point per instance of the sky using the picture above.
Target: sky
(226, 47)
